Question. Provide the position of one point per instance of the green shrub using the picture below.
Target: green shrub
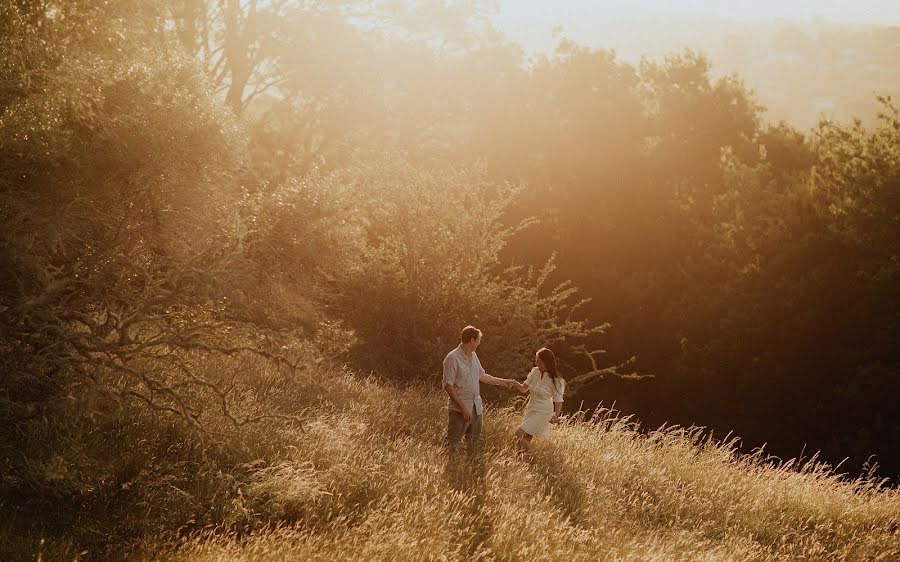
(432, 264)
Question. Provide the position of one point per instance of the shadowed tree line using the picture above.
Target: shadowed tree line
(751, 267)
(194, 193)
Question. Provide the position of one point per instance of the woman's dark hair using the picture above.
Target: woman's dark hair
(549, 360)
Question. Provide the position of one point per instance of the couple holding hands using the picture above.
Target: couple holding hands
(463, 374)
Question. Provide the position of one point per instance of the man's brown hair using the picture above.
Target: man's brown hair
(469, 333)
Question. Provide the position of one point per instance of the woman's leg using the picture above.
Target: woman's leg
(523, 440)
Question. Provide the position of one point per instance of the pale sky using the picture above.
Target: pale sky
(886, 12)
(531, 22)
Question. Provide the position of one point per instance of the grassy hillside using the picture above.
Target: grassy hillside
(366, 480)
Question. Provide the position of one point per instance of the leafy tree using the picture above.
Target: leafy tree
(431, 266)
(121, 253)
(794, 315)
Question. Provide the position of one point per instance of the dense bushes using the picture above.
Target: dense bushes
(805, 294)
(122, 274)
(431, 265)
(118, 204)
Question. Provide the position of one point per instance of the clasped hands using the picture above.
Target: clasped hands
(514, 384)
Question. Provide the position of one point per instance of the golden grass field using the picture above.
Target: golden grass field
(366, 480)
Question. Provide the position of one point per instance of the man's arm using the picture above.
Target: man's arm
(490, 379)
(451, 392)
(448, 379)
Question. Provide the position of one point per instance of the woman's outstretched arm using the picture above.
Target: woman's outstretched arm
(523, 386)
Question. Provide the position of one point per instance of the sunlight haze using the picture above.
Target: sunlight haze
(794, 55)
(535, 23)
(537, 13)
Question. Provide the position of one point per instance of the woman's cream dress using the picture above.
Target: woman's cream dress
(539, 410)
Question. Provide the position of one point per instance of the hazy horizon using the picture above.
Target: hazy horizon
(537, 25)
(795, 56)
(531, 22)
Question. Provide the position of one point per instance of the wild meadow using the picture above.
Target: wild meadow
(363, 477)
(369, 483)
(239, 237)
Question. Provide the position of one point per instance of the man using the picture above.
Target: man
(462, 374)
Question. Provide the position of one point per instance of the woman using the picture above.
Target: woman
(544, 386)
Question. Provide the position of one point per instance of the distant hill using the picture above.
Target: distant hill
(799, 71)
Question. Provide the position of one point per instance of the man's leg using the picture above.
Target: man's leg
(456, 428)
(473, 432)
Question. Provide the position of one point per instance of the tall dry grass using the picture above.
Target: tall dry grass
(366, 480)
